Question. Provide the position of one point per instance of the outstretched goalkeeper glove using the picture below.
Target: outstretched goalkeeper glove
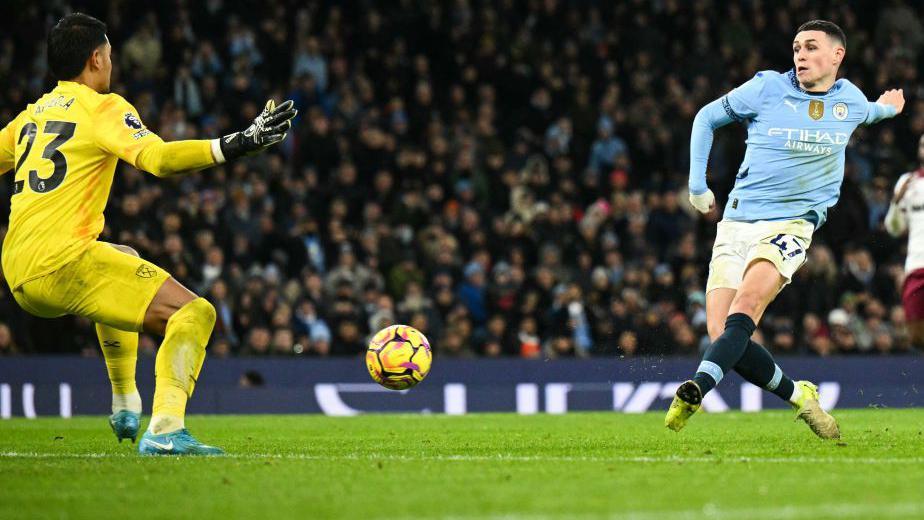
(267, 129)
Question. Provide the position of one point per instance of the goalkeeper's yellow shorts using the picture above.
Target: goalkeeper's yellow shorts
(103, 285)
(784, 243)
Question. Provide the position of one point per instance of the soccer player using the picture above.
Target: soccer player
(906, 213)
(799, 123)
(63, 150)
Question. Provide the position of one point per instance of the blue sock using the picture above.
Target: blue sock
(757, 366)
(725, 352)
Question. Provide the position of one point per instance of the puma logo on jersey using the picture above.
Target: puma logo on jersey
(791, 105)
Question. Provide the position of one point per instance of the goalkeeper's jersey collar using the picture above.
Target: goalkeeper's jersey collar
(71, 86)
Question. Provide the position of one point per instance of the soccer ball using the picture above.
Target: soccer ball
(398, 357)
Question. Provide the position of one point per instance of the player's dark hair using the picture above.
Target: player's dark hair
(829, 28)
(71, 41)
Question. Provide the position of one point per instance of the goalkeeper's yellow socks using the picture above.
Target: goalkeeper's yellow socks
(178, 363)
(120, 349)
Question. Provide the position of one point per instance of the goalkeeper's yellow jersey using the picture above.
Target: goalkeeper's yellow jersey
(63, 150)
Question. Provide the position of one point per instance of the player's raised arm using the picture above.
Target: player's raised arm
(121, 132)
(739, 105)
(268, 128)
(889, 104)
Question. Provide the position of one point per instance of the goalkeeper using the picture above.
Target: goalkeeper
(63, 150)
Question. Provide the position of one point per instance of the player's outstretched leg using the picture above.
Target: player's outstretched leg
(177, 367)
(757, 367)
(120, 349)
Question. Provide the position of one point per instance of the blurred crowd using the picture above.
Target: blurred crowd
(509, 177)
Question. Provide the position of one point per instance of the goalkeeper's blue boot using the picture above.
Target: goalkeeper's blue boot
(179, 442)
(125, 424)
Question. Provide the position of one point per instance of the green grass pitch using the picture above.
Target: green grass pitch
(579, 465)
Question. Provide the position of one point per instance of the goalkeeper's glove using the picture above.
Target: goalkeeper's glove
(703, 202)
(267, 129)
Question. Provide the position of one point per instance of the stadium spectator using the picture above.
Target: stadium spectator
(7, 343)
(509, 178)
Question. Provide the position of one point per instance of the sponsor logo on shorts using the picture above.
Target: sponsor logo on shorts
(145, 271)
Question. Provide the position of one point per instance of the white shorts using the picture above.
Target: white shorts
(738, 244)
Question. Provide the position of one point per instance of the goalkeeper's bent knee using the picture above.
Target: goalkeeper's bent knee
(199, 315)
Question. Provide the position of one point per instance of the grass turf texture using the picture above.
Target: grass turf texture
(579, 465)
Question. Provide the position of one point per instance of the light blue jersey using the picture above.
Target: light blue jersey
(794, 163)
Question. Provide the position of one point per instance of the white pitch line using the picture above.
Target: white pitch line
(499, 458)
(711, 511)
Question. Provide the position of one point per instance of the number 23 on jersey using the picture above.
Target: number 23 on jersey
(39, 183)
